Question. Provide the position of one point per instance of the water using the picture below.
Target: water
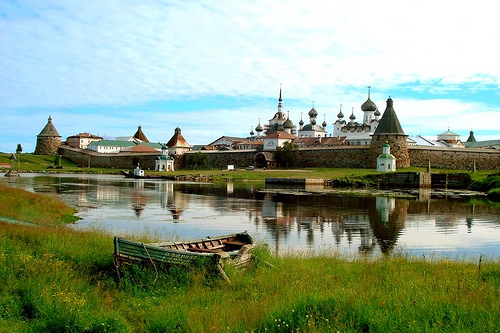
(350, 225)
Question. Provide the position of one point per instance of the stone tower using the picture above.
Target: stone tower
(48, 141)
(389, 131)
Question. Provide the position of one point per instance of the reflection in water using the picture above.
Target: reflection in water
(171, 200)
(286, 220)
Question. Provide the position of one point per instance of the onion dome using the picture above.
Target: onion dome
(313, 121)
(324, 123)
(340, 115)
(252, 132)
(352, 116)
(288, 124)
(369, 105)
(259, 128)
(377, 113)
(301, 122)
(313, 113)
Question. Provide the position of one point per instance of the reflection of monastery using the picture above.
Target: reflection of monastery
(332, 222)
(339, 148)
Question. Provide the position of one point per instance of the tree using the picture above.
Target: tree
(19, 150)
(197, 160)
(288, 155)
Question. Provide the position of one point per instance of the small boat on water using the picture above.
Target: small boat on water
(137, 173)
(211, 251)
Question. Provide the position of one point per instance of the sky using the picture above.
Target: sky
(215, 68)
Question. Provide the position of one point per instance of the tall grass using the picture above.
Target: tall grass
(56, 279)
(42, 209)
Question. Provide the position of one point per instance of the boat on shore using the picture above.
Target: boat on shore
(214, 252)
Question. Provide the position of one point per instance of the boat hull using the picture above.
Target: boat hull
(234, 248)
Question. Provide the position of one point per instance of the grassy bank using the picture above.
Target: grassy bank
(29, 207)
(59, 280)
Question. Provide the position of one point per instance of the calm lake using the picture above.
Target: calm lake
(353, 226)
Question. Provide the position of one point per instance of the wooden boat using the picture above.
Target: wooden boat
(211, 251)
(137, 173)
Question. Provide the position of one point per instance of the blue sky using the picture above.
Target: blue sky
(214, 68)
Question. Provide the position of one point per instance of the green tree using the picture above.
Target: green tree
(197, 160)
(288, 155)
(19, 150)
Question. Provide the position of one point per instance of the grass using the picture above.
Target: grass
(41, 209)
(56, 279)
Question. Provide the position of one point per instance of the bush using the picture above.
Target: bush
(494, 194)
(491, 181)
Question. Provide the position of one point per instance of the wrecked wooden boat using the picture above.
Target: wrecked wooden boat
(213, 252)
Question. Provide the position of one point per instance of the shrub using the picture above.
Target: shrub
(494, 194)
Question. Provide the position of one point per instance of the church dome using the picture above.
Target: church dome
(340, 115)
(352, 116)
(280, 115)
(368, 106)
(288, 124)
(301, 122)
(259, 128)
(313, 113)
(324, 123)
(377, 113)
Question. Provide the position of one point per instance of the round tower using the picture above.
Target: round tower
(389, 131)
(48, 141)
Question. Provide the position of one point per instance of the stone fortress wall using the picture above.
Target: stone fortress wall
(333, 157)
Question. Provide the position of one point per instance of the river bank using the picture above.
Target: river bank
(59, 279)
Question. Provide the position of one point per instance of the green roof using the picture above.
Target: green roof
(389, 156)
(112, 143)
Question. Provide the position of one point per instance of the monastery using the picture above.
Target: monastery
(381, 134)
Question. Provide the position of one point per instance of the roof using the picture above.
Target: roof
(280, 135)
(140, 135)
(313, 112)
(85, 135)
(49, 129)
(141, 149)
(421, 141)
(471, 137)
(311, 127)
(288, 124)
(165, 157)
(319, 141)
(388, 156)
(484, 144)
(389, 123)
(111, 143)
(229, 138)
(155, 145)
(178, 140)
(448, 133)
(368, 105)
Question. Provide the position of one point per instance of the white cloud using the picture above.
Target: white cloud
(73, 54)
